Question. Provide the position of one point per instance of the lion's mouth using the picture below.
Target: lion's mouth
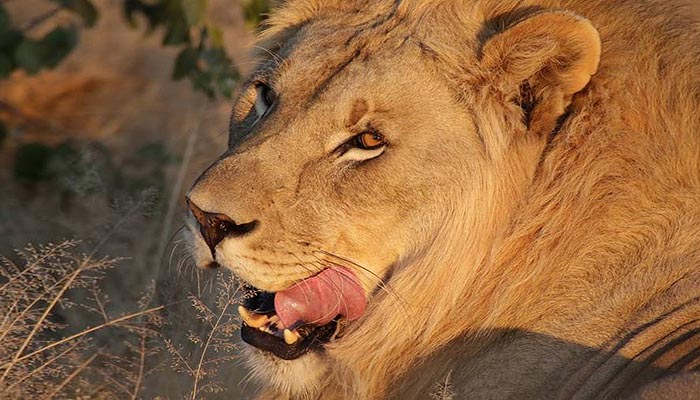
(262, 328)
(294, 321)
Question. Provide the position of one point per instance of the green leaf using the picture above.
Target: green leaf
(84, 8)
(3, 133)
(226, 83)
(177, 32)
(255, 11)
(29, 56)
(155, 14)
(9, 40)
(216, 36)
(195, 11)
(185, 63)
(6, 65)
(31, 161)
(202, 81)
(131, 7)
(5, 22)
(57, 45)
(218, 75)
(33, 55)
(87, 12)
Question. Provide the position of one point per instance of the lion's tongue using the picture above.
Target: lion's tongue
(319, 299)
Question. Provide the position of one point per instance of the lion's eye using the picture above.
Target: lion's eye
(265, 98)
(370, 140)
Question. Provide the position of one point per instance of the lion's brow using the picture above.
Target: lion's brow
(318, 91)
(335, 71)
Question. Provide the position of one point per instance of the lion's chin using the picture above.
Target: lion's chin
(298, 378)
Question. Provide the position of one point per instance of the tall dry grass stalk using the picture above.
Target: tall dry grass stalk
(215, 345)
(43, 358)
(444, 390)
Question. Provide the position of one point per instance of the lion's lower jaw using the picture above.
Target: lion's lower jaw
(298, 379)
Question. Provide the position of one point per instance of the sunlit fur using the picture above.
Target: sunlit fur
(529, 258)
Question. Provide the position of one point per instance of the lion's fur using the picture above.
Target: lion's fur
(590, 237)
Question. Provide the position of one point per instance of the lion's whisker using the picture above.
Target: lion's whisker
(386, 287)
(276, 58)
(172, 254)
(168, 242)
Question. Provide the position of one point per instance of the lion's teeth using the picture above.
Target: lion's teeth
(266, 329)
(251, 319)
(264, 323)
(290, 337)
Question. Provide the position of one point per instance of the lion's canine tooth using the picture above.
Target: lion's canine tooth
(290, 337)
(251, 319)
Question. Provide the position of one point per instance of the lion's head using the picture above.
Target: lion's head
(376, 156)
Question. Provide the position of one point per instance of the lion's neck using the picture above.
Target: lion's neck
(581, 296)
(602, 352)
(591, 298)
(416, 314)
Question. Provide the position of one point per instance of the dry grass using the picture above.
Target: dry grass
(44, 358)
(444, 390)
(41, 357)
(216, 346)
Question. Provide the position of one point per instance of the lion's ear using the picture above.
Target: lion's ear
(541, 62)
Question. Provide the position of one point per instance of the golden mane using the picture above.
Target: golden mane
(593, 244)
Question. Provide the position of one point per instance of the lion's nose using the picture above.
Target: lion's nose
(215, 227)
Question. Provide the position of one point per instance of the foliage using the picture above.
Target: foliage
(83, 8)
(41, 354)
(20, 50)
(90, 168)
(255, 11)
(33, 55)
(3, 133)
(202, 57)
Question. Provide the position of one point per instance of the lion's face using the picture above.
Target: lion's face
(345, 163)
(340, 178)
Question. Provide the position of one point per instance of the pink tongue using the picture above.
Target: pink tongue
(318, 300)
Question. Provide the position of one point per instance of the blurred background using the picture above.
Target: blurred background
(109, 109)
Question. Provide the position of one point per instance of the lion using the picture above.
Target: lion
(500, 195)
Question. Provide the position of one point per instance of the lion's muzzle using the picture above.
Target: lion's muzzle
(290, 322)
(214, 227)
